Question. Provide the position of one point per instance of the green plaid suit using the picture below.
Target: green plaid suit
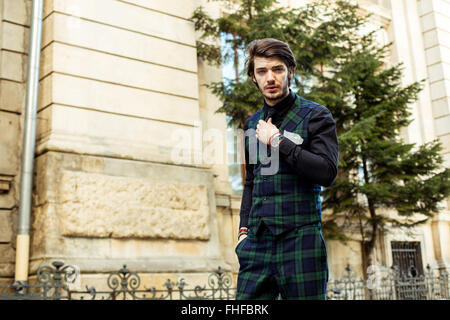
(284, 252)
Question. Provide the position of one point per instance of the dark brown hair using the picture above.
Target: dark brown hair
(269, 48)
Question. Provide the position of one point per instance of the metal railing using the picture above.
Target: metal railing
(390, 284)
(56, 283)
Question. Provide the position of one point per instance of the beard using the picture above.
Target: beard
(272, 97)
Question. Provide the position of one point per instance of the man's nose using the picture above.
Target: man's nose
(270, 76)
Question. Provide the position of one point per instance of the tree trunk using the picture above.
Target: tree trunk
(367, 252)
(236, 74)
(236, 58)
(369, 244)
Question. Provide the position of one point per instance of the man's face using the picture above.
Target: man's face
(271, 76)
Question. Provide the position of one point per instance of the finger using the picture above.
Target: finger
(270, 120)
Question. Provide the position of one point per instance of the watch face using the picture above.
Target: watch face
(276, 141)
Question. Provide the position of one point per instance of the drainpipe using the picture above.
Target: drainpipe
(29, 141)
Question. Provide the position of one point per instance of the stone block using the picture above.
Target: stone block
(85, 214)
(9, 150)
(227, 234)
(442, 125)
(425, 7)
(17, 11)
(128, 17)
(445, 140)
(15, 37)
(7, 270)
(13, 66)
(45, 236)
(84, 131)
(81, 247)
(430, 38)
(6, 226)
(443, 36)
(105, 38)
(135, 248)
(12, 96)
(440, 107)
(43, 125)
(437, 53)
(442, 6)
(440, 89)
(95, 205)
(436, 72)
(90, 200)
(428, 21)
(112, 98)
(80, 62)
(446, 158)
(7, 253)
(45, 96)
(9, 199)
(442, 20)
(182, 9)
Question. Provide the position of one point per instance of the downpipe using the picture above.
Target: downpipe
(29, 142)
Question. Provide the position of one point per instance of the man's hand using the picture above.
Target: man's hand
(265, 130)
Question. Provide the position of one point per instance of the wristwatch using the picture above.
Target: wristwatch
(276, 140)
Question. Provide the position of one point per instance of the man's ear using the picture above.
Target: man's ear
(254, 80)
(291, 72)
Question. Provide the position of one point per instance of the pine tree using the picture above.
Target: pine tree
(345, 69)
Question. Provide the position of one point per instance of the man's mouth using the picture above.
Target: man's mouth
(271, 88)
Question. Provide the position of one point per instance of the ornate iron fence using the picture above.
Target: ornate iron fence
(391, 284)
(56, 283)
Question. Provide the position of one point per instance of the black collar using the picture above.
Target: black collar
(280, 108)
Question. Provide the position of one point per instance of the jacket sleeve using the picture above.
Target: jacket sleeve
(246, 203)
(317, 162)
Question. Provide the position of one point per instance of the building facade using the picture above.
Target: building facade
(130, 159)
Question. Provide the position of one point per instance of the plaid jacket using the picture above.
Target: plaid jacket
(283, 200)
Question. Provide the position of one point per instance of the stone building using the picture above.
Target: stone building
(128, 141)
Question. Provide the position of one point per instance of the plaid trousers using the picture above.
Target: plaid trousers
(293, 265)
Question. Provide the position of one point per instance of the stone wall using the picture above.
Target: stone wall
(99, 213)
(14, 30)
(119, 83)
(435, 33)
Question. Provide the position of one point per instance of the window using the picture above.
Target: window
(229, 72)
(408, 257)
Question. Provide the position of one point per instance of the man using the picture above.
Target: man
(281, 249)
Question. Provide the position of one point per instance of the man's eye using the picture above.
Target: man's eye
(261, 71)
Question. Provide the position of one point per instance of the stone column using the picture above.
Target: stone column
(435, 29)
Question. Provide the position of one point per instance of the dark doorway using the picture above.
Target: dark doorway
(407, 256)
